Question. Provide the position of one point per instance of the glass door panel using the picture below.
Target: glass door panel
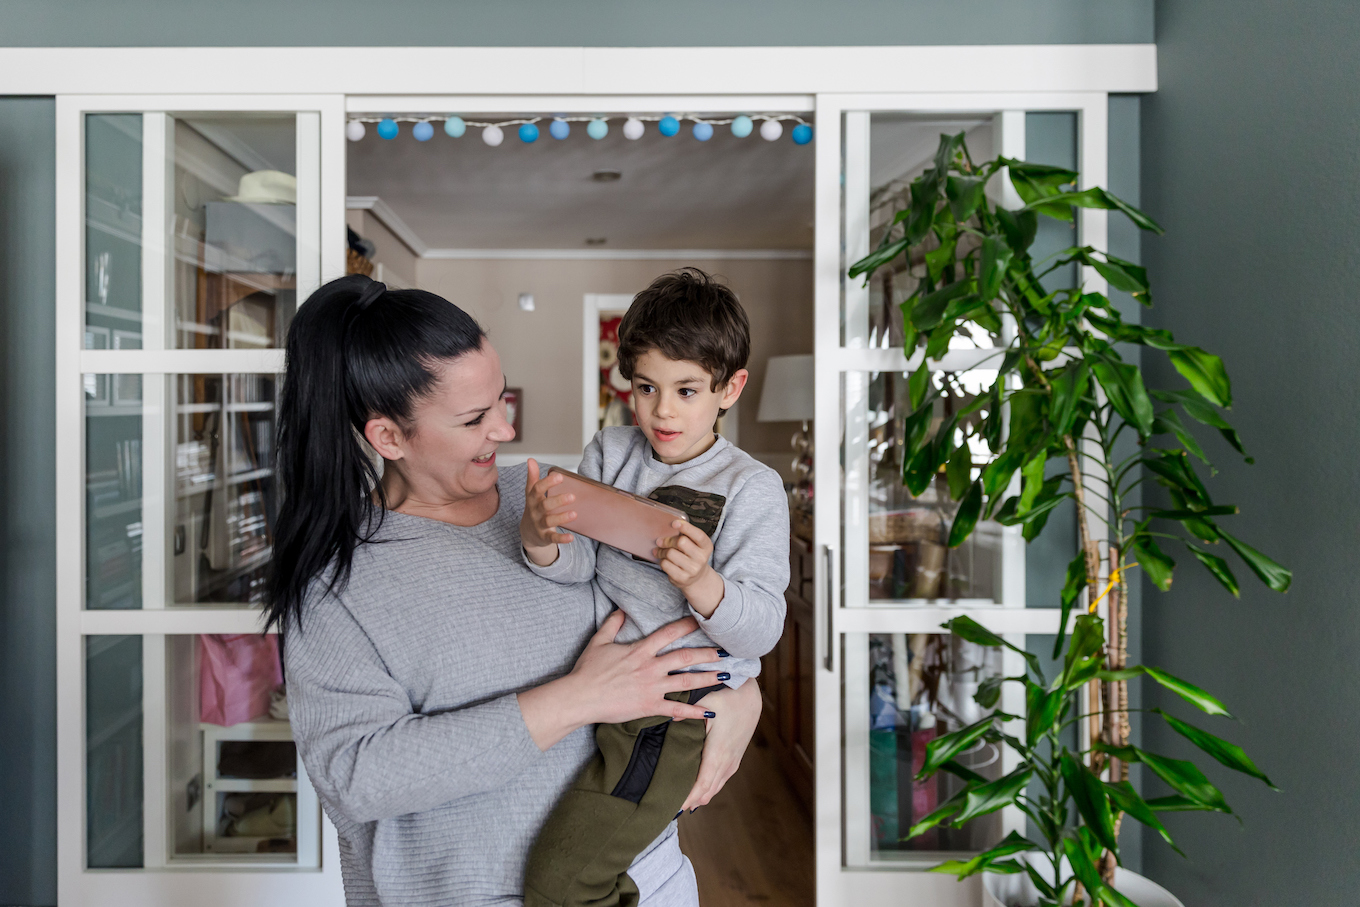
(113, 491)
(225, 494)
(233, 226)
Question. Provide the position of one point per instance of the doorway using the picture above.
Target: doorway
(545, 240)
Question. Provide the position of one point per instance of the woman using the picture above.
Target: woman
(441, 694)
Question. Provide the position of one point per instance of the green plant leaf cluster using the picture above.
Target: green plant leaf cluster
(1066, 396)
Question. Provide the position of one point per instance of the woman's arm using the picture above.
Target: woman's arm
(738, 714)
(374, 757)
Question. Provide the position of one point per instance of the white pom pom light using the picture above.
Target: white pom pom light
(633, 128)
(771, 130)
(493, 135)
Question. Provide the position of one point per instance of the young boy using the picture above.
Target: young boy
(683, 344)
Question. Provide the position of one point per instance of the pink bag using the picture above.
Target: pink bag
(236, 674)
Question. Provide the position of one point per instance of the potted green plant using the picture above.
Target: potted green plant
(1067, 418)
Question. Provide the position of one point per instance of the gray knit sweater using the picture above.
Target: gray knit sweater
(402, 697)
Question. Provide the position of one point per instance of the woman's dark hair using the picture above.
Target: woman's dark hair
(355, 350)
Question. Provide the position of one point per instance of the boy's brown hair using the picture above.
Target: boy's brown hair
(687, 315)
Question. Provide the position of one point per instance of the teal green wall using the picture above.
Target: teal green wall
(1250, 162)
(589, 23)
(28, 676)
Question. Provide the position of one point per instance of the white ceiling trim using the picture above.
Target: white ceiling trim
(389, 219)
(618, 254)
(578, 70)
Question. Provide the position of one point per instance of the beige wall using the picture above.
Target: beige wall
(391, 252)
(541, 350)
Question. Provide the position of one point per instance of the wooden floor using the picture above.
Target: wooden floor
(753, 843)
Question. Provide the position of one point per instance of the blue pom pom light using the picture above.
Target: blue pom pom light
(454, 127)
(802, 134)
(387, 128)
(703, 131)
(742, 126)
(559, 129)
(422, 132)
(528, 133)
(597, 129)
(668, 126)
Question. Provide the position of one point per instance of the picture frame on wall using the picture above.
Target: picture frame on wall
(514, 410)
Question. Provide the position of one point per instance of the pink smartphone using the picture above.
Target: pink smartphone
(619, 518)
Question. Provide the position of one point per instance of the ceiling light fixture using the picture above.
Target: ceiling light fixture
(606, 176)
(596, 240)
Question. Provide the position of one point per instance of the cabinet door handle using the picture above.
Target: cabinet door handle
(829, 660)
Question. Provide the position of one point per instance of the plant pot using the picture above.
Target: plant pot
(1019, 891)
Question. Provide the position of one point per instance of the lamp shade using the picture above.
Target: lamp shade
(787, 394)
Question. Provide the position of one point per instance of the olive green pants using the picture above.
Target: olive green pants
(625, 798)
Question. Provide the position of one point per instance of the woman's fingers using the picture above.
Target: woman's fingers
(677, 661)
(609, 628)
(738, 713)
(669, 634)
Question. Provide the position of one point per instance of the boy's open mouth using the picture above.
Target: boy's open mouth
(663, 435)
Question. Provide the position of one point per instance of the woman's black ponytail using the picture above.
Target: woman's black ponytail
(355, 350)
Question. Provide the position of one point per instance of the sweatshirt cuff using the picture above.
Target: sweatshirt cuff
(558, 571)
(727, 616)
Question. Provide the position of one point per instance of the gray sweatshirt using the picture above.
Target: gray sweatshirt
(402, 696)
(738, 501)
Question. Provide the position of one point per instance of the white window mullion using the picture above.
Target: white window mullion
(308, 203)
(155, 810)
(181, 362)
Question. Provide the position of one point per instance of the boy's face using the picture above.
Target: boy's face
(676, 405)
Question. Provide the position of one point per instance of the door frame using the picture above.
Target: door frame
(339, 81)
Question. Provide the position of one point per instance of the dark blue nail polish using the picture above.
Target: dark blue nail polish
(722, 653)
(709, 715)
(678, 815)
(724, 676)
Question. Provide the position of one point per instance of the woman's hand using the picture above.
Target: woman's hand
(538, 527)
(738, 713)
(613, 683)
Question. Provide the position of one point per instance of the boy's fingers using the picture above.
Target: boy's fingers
(533, 473)
(563, 538)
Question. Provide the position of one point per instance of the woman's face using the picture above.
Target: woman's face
(450, 454)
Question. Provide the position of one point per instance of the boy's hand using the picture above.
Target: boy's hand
(542, 515)
(685, 558)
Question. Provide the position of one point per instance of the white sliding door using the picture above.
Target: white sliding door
(189, 230)
(889, 680)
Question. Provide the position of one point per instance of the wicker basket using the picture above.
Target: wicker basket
(357, 264)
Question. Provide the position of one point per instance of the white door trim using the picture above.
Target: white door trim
(557, 71)
(594, 304)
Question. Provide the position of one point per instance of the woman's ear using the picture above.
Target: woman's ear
(734, 387)
(385, 438)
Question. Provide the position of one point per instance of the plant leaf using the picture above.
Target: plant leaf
(1019, 228)
(959, 472)
(1168, 421)
(1069, 388)
(1218, 567)
(1230, 754)
(1092, 803)
(1013, 843)
(1096, 197)
(879, 257)
(1205, 372)
(1128, 800)
(940, 814)
(1042, 708)
(968, 629)
(1072, 586)
(1270, 573)
(989, 691)
(1176, 803)
(1123, 384)
(967, 516)
(1192, 694)
(918, 384)
(1183, 777)
(1157, 565)
(942, 749)
(1085, 653)
(930, 309)
(996, 261)
(964, 194)
(1197, 409)
(990, 797)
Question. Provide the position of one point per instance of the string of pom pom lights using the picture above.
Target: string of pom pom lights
(771, 127)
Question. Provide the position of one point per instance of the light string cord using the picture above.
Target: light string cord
(578, 119)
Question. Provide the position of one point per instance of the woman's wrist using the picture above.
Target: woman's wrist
(551, 711)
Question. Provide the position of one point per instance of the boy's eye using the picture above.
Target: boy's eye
(645, 389)
(687, 392)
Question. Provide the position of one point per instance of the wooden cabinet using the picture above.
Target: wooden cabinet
(786, 677)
